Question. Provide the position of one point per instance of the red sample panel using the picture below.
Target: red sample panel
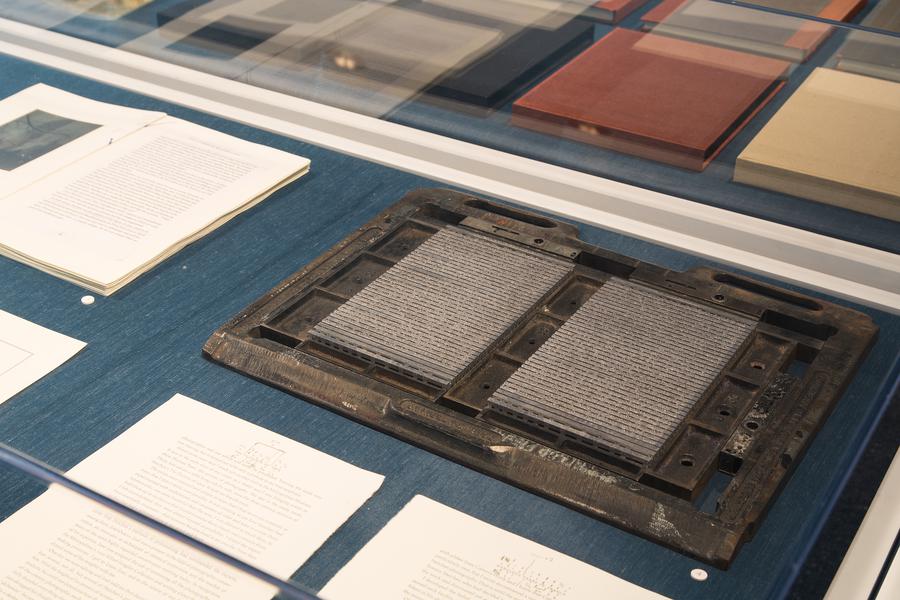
(662, 98)
(842, 10)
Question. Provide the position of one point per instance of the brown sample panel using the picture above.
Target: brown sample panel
(661, 98)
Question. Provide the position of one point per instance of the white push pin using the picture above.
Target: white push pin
(699, 574)
(87, 300)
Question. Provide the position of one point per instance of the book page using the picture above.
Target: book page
(256, 495)
(432, 552)
(114, 558)
(28, 352)
(139, 200)
(43, 129)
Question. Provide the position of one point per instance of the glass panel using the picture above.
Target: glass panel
(664, 95)
(884, 16)
(835, 10)
(870, 54)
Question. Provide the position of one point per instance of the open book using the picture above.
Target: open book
(97, 194)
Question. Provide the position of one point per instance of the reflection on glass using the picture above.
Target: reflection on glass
(400, 44)
(737, 27)
(107, 9)
(230, 37)
(469, 69)
(870, 54)
(543, 13)
(550, 14)
(49, 13)
(381, 60)
(499, 75)
(836, 10)
(523, 12)
(885, 15)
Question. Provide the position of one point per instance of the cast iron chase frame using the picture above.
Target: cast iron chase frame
(702, 491)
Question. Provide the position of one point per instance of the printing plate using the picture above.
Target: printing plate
(673, 405)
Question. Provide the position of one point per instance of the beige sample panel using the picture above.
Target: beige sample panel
(836, 140)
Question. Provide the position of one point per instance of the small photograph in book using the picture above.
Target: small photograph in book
(35, 134)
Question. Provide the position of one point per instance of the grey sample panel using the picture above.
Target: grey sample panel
(435, 311)
(624, 370)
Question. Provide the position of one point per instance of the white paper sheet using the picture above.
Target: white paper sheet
(100, 202)
(28, 352)
(124, 206)
(432, 552)
(259, 496)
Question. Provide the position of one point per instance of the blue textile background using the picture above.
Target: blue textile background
(144, 346)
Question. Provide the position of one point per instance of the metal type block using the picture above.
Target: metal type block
(436, 310)
(625, 370)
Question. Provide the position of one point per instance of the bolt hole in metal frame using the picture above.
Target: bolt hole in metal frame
(710, 481)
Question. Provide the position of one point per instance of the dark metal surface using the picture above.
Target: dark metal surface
(748, 426)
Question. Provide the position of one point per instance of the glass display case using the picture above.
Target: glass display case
(725, 171)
